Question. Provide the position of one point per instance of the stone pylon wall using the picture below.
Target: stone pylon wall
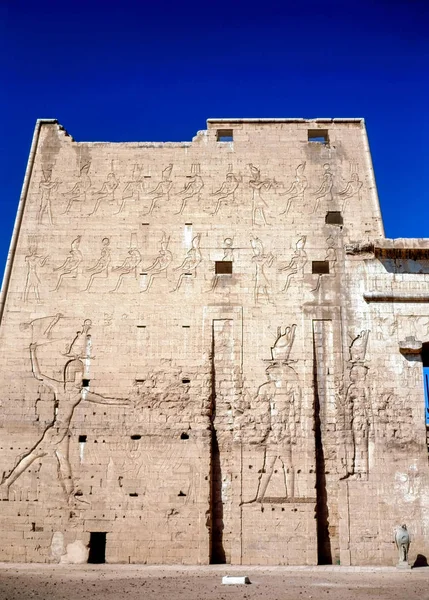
(195, 362)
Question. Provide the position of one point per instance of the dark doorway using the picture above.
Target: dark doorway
(217, 554)
(97, 547)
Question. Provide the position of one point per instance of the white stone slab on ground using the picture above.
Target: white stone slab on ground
(228, 580)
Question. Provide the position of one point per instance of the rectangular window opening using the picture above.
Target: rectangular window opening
(82, 439)
(223, 267)
(334, 217)
(224, 135)
(320, 267)
(318, 136)
(85, 382)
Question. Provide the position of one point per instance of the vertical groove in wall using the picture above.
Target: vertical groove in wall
(217, 551)
(324, 553)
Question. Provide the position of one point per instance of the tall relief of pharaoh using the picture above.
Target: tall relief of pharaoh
(68, 392)
(356, 412)
(271, 421)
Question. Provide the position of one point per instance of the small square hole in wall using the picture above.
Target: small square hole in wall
(224, 135)
(320, 267)
(318, 136)
(223, 267)
(334, 217)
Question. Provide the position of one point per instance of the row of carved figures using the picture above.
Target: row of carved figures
(271, 417)
(132, 266)
(137, 191)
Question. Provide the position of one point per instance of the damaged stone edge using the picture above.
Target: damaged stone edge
(20, 212)
(412, 248)
(395, 297)
(289, 120)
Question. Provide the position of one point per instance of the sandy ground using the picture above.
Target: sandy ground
(132, 582)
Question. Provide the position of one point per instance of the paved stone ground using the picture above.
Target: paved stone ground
(132, 582)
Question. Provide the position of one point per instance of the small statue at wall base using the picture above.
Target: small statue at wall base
(402, 540)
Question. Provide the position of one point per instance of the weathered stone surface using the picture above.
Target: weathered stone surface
(206, 345)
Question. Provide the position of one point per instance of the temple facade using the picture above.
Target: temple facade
(210, 353)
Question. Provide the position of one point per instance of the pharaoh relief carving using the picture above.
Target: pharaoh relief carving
(47, 187)
(101, 267)
(297, 188)
(228, 255)
(34, 261)
(331, 258)
(192, 188)
(160, 264)
(134, 189)
(107, 192)
(324, 192)
(259, 188)
(81, 188)
(68, 393)
(296, 264)
(129, 267)
(162, 190)
(353, 187)
(262, 287)
(70, 267)
(226, 193)
(358, 411)
(273, 421)
(189, 266)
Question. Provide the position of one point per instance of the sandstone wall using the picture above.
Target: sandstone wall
(189, 363)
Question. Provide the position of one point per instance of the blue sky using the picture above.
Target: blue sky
(156, 70)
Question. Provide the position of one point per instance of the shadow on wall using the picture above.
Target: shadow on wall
(401, 265)
(421, 561)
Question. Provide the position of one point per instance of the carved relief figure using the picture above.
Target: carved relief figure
(353, 187)
(130, 264)
(226, 192)
(68, 393)
(228, 255)
(296, 264)
(133, 189)
(162, 190)
(160, 264)
(192, 188)
(69, 268)
(107, 191)
(273, 420)
(282, 394)
(325, 189)
(283, 343)
(358, 346)
(41, 328)
(331, 255)
(101, 267)
(296, 189)
(80, 345)
(259, 187)
(80, 188)
(46, 187)
(359, 422)
(192, 260)
(262, 289)
(33, 261)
